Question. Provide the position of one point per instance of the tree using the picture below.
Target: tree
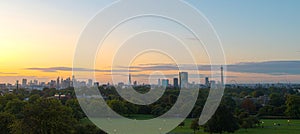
(131, 108)
(181, 124)
(222, 121)
(117, 106)
(257, 93)
(45, 116)
(77, 111)
(276, 100)
(229, 102)
(246, 121)
(248, 105)
(15, 107)
(293, 106)
(6, 119)
(195, 125)
(266, 111)
(33, 98)
(5, 99)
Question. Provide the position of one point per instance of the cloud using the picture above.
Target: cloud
(68, 69)
(7, 73)
(268, 67)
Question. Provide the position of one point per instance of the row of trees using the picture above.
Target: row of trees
(38, 112)
(30, 113)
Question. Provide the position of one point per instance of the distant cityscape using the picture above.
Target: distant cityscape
(181, 82)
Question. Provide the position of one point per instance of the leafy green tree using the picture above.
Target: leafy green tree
(5, 99)
(246, 124)
(293, 106)
(276, 100)
(194, 125)
(15, 107)
(172, 99)
(35, 91)
(248, 105)
(257, 93)
(229, 102)
(49, 92)
(77, 111)
(266, 111)
(246, 121)
(46, 116)
(34, 98)
(6, 119)
(131, 108)
(118, 106)
(222, 121)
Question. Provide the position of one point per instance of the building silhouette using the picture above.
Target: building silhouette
(129, 79)
(183, 77)
(165, 82)
(90, 83)
(24, 82)
(158, 82)
(207, 84)
(175, 82)
(222, 75)
(58, 83)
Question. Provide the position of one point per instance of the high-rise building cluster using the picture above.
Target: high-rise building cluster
(182, 81)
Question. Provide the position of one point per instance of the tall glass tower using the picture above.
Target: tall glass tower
(183, 77)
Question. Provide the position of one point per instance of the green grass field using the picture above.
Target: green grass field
(268, 127)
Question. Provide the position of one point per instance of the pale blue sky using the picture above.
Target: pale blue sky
(268, 29)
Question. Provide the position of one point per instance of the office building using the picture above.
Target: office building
(90, 83)
(165, 82)
(129, 79)
(183, 77)
(175, 82)
(159, 83)
(222, 75)
(24, 82)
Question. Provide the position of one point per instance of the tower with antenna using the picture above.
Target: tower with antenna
(129, 79)
(222, 75)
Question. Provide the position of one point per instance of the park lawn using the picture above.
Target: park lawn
(268, 126)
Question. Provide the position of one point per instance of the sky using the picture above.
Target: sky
(260, 40)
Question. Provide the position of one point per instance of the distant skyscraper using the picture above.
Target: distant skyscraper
(74, 81)
(183, 77)
(129, 79)
(57, 83)
(212, 84)
(35, 82)
(17, 83)
(159, 82)
(90, 83)
(24, 82)
(175, 82)
(135, 83)
(165, 82)
(222, 76)
(207, 82)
